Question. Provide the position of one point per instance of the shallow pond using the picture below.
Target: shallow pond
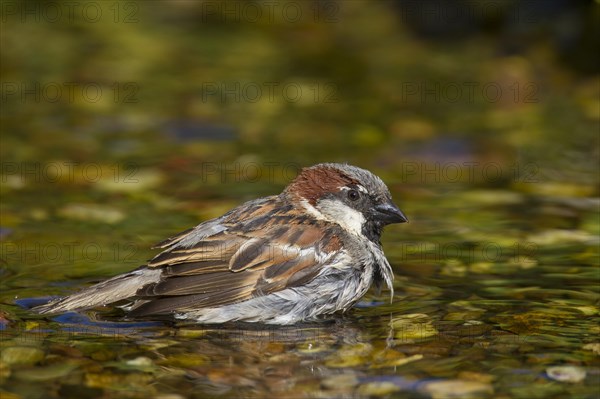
(124, 123)
(496, 296)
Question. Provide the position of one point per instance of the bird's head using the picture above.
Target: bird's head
(352, 197)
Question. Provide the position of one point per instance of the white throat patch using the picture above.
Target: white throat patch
(337, 212)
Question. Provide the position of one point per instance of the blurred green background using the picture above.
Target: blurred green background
(190, 107)
(373, 83)
(123, 123)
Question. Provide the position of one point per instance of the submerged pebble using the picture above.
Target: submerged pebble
(132, 181)
(338, 381)
(377, 389)
(22, 355)
(46, 373)
(560, 237)
(91, 212)
(594, 347)
(413, 326)
(459, 389)
(572, 374)
(394, 359)
(350, 355)
(184, 360)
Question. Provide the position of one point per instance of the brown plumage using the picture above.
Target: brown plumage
(239, 263)
(264, 260)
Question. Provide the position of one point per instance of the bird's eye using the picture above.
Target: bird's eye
(353, 195)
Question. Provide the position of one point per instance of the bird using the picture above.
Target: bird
(311, 251)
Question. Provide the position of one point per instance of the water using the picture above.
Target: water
(487, 302)
(120, 132)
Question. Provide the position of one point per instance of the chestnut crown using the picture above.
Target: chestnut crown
(352, 197)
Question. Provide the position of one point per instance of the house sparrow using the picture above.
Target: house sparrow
(313, 249)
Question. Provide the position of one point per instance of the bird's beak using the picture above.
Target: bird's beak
(389, 213)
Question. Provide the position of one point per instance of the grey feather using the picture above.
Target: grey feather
(115, 289)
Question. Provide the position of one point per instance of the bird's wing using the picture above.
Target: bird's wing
(261, 249)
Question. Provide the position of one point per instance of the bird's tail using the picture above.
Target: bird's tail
(115, 289)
